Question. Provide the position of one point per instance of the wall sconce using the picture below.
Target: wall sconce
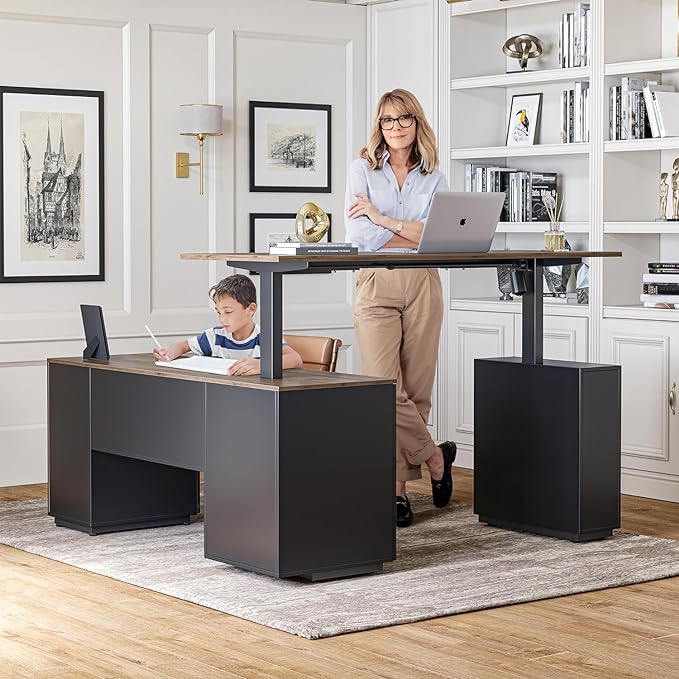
(197, 120)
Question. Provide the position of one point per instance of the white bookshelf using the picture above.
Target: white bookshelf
(483, 80)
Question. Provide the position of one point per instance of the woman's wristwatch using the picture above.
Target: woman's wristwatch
(399, 227)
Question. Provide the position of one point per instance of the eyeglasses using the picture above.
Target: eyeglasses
(403, 121)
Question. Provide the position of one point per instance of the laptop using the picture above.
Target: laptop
(459, 222)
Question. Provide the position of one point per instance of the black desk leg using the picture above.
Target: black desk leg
(271, 323)
(532, 303)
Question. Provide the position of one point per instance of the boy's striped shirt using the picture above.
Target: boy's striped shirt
(220, 343)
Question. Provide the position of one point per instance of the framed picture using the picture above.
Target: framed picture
(267, 228)
(52, 178)
(289, 147)
(524, 116)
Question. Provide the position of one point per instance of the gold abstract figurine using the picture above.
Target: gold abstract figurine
(664, 190)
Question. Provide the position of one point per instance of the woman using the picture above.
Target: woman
(398, 312)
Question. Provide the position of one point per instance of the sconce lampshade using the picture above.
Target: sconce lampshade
(205, 119)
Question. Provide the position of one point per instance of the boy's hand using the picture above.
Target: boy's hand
(245, 366)
(165, 353)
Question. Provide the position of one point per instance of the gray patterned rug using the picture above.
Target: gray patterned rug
(447, 563)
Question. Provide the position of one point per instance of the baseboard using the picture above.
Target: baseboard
(650, 485)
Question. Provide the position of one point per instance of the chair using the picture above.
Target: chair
(318, 353)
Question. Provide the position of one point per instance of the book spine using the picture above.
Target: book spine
(661, 288)
(670, 299)
(661, 277)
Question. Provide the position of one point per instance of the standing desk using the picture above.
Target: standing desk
(546, 433)
(299, 466)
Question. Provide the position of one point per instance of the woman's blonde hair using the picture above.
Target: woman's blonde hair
(423, 149)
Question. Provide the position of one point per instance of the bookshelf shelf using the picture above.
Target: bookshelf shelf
(541, 227)
(552, 75)
(639, 312)
(478, 6)
(651, 228)
(643, 66)
(520, 151)
(635, 145)
(494, 304)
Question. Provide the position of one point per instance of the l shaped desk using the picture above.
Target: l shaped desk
(285, 493)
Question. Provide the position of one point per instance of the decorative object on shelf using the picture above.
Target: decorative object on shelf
(504, 283)
(555, 238)
(270, 228)
(582, 283)
(557, 277)
(200, 121)
(52, 219)
(523, 47)
(289, 147)
(675, 191)
(524, 115)
(320, 223)
(664, 191)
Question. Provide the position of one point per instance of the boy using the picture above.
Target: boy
(237, 336)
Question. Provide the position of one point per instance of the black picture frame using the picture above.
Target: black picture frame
(292, 172)
(40, 210)
(534, 101)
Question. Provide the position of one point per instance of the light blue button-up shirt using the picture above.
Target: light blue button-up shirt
(411, 203)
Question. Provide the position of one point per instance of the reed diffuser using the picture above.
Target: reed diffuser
(555, 239)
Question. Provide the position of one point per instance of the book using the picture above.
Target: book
(661, 277)
(660, 288)
(203, 364)
(542, 184)
(667, 111)
(295, 245)
(650, 107)
(313, 249)
(659, 299)
(663, 267)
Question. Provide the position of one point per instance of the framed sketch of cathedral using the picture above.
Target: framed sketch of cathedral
(52, 181)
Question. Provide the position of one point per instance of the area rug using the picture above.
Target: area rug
(447, 563)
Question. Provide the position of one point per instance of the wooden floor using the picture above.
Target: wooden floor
(63, 623)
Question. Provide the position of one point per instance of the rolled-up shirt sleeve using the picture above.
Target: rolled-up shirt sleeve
(361, 231)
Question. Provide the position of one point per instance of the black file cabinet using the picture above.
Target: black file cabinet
(547, 447)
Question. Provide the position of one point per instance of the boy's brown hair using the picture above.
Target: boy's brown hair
(238, 286)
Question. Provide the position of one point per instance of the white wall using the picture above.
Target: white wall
(149, 56)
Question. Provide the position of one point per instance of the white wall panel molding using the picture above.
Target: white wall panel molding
(55, 19)
(148, 58)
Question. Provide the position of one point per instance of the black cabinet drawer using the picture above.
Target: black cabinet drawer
(147, 418)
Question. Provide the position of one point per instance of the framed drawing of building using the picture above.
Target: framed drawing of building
(289, 147)
(52, 181)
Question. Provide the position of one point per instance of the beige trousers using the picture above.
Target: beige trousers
(397, 317)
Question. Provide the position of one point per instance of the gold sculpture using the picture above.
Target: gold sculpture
(320, 223)
(523, 47)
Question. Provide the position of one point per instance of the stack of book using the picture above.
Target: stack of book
(661, 285)
(575, 37)
(296, 248)
(525, 192)
(575, 113)
(639, 108)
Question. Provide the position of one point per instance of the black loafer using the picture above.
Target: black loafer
(442, 490)
(404, 515)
